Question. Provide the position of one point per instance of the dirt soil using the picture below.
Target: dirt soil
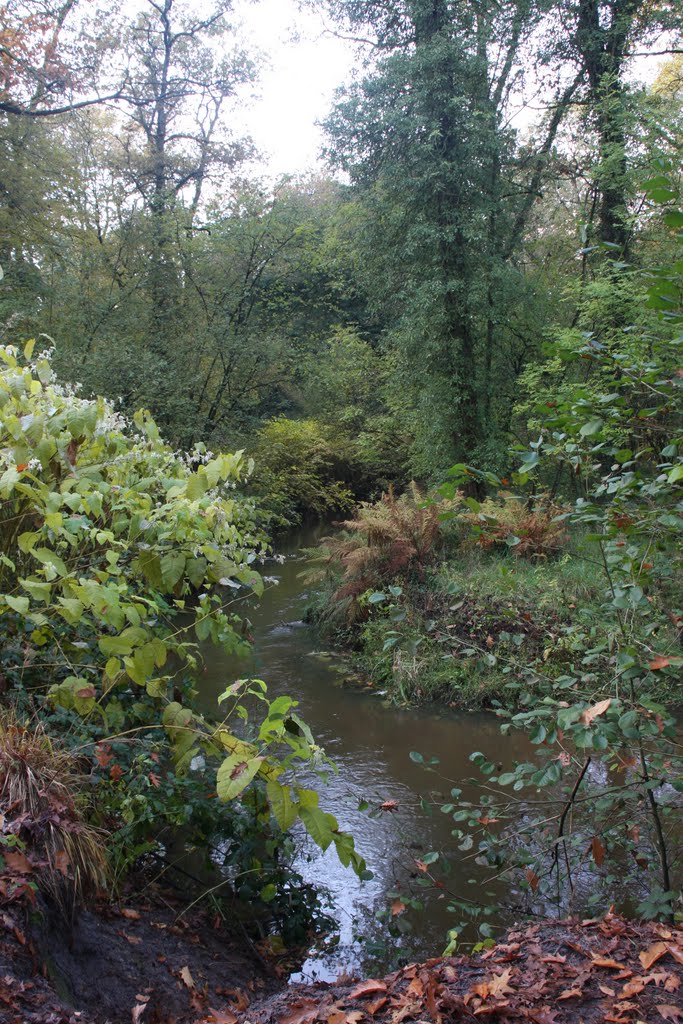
(137, 964)
(141, 965)
(567, 972)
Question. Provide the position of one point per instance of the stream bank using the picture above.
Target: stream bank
(378, 792)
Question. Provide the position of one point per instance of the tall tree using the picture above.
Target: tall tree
(424, 138)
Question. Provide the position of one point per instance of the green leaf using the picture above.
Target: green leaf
(197, 486)
(284, 810)
(319, 825)
(234, 775)
(592, 427)
(50, 559)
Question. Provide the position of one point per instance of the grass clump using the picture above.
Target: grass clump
(49, 845)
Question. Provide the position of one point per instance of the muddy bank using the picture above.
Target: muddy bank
(137, 962)
(154, 969)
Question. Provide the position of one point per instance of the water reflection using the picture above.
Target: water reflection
(370, 744)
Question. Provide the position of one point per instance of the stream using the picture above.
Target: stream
(370, 743)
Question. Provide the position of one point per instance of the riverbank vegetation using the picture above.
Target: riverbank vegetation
(460, 341)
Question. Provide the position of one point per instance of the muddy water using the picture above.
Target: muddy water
(370, 744)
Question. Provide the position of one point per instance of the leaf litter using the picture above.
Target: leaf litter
(556, 972)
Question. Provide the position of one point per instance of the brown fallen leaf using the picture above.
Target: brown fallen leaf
(336, 1016)
(134, 940)
(598, 851)
(496, 986)
(603, 961)
(304, 1011)
(668, 1012)
(132, 915)
(397, 907)
(676, 952)
(186, 977)
(389, 805)
(416, 989)
(571, 993)
(367, 988)
(62, 862)
(554, 959)
(606, 991)
(632, 988)
(17, 863)
(650, 956)
(375, 1004)
(222, 1016)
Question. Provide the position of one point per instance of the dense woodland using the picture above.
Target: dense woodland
(462, 338)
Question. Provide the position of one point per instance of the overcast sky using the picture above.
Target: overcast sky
(298, 87)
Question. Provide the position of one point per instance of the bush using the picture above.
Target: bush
(387, 540)
(529, 530)
(302, 470)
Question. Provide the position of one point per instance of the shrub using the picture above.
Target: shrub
(529, 530)
(302, 469)
(387, 540)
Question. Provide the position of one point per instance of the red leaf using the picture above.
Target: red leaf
(659, 662)
(598, 851)
(154, 779)
(389, 805)
(115, 772)
(367, 988)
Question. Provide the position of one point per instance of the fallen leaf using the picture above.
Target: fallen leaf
(304, 1011)
(632, 988)
(571, 993)
(606, 991)
(668, 1012)
(132, 915)
(375, 1005)
(676, 952)
(186, 977)
(18, 863)
(602, 961)
(137, 1012)
(222, 1016)
(589, 714)
(659, 662)
(415, 989)
(495, 986)
(650, 956)
(134, 940)
(397, 907)
(554, 959)
(367, 988)
(421, 866)
(61, 862)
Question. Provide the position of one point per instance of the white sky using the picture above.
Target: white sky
(297, 89)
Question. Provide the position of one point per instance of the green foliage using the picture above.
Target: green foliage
(302, 466)
(118, 557)
(608, 751)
